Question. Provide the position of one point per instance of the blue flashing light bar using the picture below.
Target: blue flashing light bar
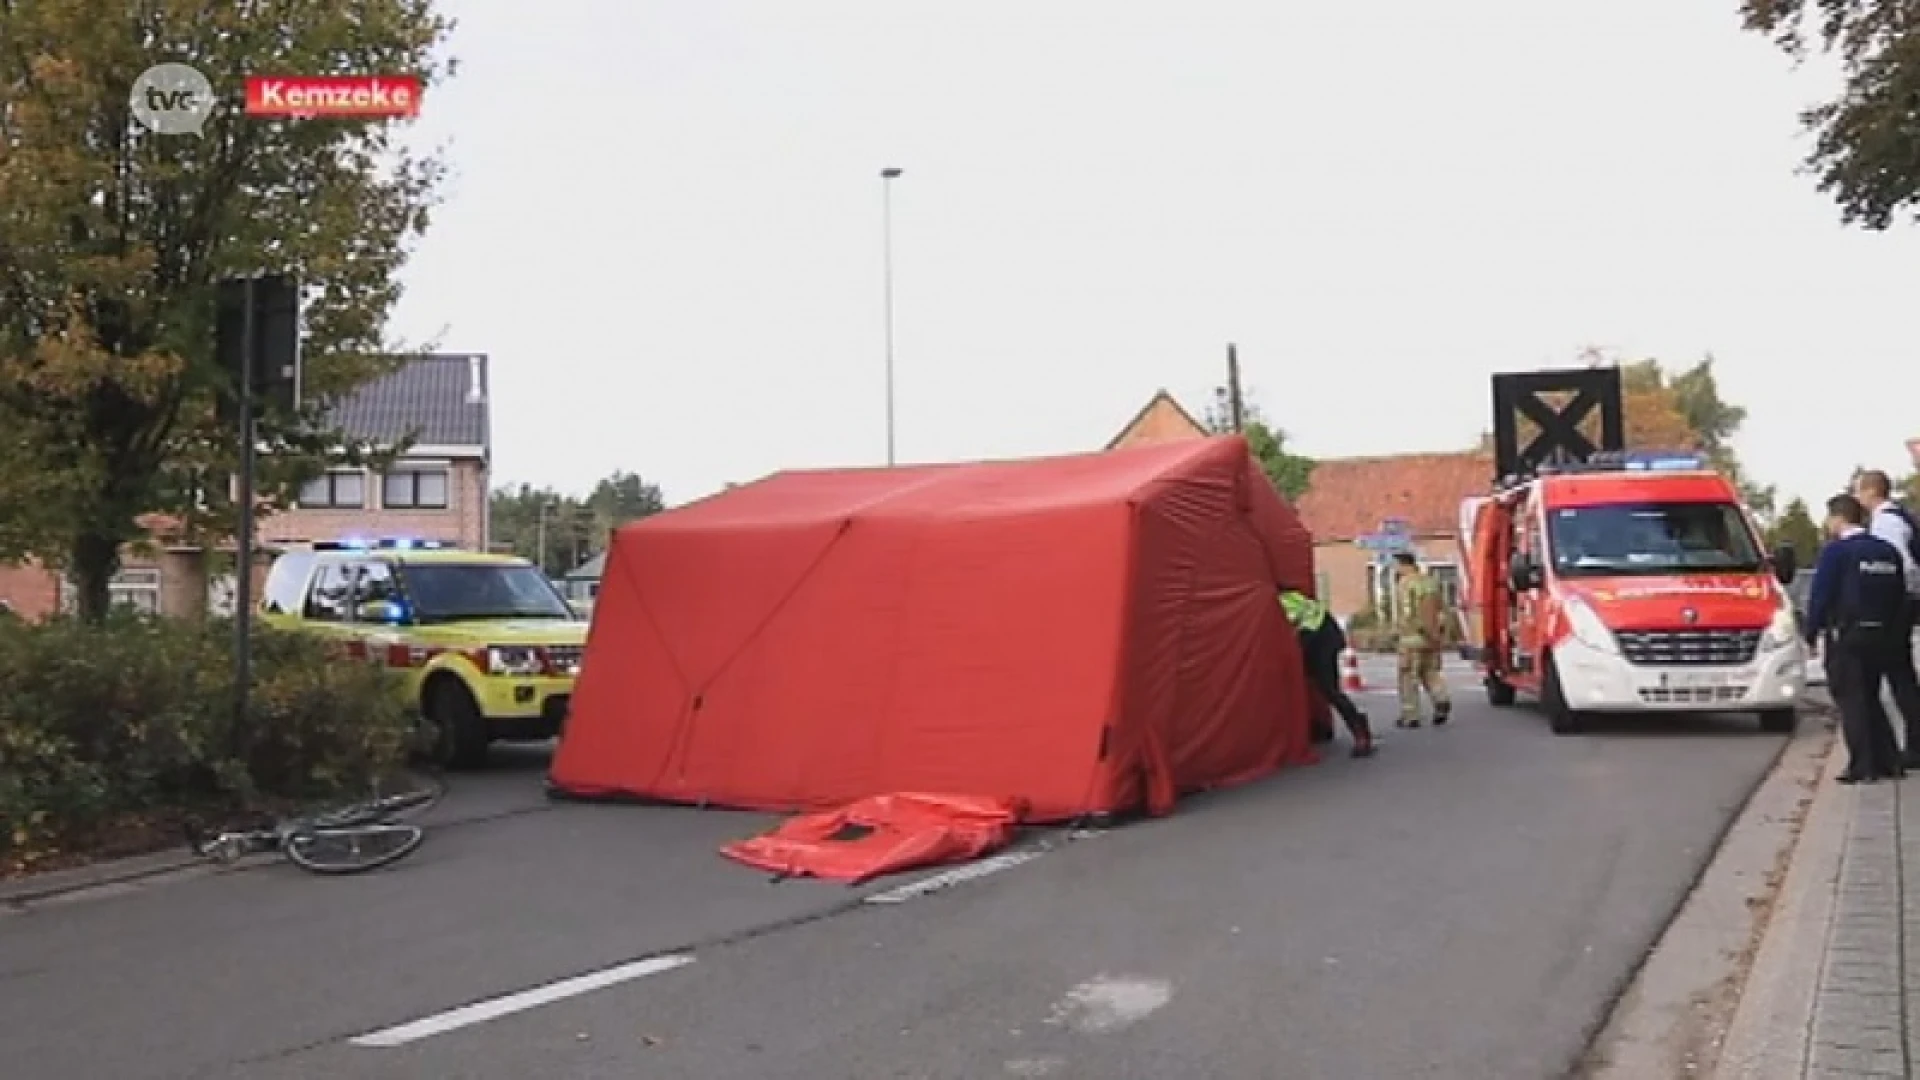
(383, 543)
(1632, 461)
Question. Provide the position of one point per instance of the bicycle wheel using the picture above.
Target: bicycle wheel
(352, 850)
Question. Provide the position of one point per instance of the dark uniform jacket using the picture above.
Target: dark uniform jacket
(1858, 583)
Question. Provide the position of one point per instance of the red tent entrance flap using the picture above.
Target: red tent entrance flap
(882, 835)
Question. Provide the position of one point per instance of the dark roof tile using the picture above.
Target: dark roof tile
(438, 400)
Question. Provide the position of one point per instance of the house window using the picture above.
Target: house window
(138, 590)
(415, 489)
(337, 489)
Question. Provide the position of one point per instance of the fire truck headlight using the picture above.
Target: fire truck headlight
(1782, 632)
(1584, 624)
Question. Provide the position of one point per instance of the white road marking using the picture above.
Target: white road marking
(1038, 1066)
(913, 890)
(1108, 1003)
(494, 1008)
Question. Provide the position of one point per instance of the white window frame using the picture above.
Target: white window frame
(136, 587)
(415, 469)
(331, 504)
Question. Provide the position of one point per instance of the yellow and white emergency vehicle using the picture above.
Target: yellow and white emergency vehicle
(485, 646)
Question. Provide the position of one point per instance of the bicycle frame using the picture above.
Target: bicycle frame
(231, 846)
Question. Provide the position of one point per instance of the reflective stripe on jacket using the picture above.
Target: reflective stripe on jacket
(1303, 611)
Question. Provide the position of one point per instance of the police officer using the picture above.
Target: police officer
(1893, 523)
(1858, 600)
(1419, 616)
(1321, 643)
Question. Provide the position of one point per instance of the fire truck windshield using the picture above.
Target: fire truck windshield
(1651, 538)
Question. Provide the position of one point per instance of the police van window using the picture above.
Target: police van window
(332, 594)
(287, 583)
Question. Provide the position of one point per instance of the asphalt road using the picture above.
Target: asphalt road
(1463, 905)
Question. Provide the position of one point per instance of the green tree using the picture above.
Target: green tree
(1290, 472)
(1866, 141)
(112, 237)
(1694, 394)
(1796, 528)
(561, 531)
(624, 497)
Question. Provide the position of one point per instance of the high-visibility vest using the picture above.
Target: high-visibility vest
(1303, 611)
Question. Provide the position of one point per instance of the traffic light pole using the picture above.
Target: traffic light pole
(243, 540)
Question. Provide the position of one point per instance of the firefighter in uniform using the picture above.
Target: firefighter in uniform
(1321, 643)
(1418, 614)
(1858, 601)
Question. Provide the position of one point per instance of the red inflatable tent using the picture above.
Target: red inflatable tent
(1081, 634)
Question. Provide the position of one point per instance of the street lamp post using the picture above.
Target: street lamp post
(887, 177)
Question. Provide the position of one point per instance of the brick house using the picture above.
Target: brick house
(437, 489)
(1161, 419)
(1349, 498)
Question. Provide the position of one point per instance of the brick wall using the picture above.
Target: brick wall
(1161, 422)
(1343, 567)
(30, 590)
(34, 592)
(463, 522)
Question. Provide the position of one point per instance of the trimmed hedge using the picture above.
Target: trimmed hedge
(134, 718)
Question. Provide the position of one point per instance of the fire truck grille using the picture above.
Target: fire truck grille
(1689, 646)
(565, 656)
(1693, 695)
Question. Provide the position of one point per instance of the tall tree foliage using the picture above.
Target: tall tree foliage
(1290, 472)
(1866, 145)
(1650, 411)
(561, 531)
(112, 237)
(1706, 421)
(1796, 528)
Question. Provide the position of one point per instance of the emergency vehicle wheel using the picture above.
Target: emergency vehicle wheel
(1499, 694)
(1777, 721)
(459, 731)
(1563, 720)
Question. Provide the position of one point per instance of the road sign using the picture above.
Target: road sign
(1385, 542)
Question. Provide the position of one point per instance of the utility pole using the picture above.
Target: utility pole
(243, 541)
(1236, 407)
(540, 538)
(887, 177)
(257, 343)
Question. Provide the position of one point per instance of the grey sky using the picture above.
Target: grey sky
(665, 226)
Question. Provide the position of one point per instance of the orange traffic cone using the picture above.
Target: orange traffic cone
(1350, 671)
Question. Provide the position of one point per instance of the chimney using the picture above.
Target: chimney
(476, 390)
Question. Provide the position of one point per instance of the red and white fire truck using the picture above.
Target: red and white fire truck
(1604, 581)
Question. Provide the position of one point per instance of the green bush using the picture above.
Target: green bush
(99, 723)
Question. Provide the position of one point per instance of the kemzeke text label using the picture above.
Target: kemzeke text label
(351, 95)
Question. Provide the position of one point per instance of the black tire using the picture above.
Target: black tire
(337, 852)
(1778, 721)
(1563, 719)
(1500, 694)
(459, 731)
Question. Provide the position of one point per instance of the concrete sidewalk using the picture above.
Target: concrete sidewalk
(1835, 987)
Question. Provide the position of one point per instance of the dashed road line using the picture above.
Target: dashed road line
(494, 1008)
(933, 883)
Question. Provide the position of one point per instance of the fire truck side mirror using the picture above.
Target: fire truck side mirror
(1523, 573)
(1786, 563)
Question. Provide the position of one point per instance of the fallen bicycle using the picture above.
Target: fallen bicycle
(351, 840)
